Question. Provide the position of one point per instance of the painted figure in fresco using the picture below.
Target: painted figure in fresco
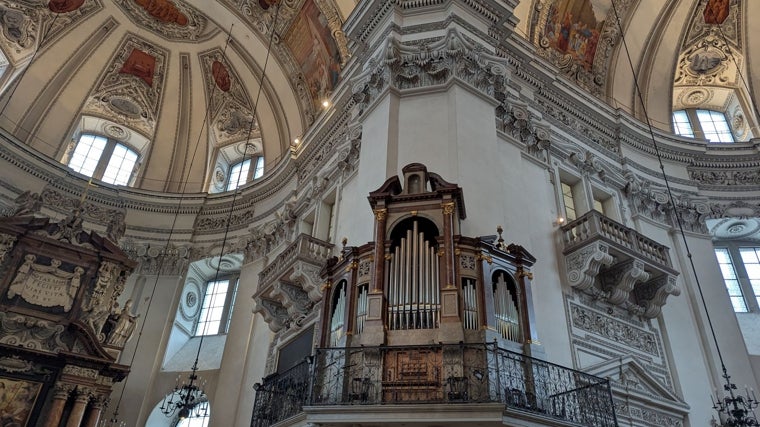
(575, 35)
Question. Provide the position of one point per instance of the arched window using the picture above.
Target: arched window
(103, 159)
(241, 172)
(707, 124)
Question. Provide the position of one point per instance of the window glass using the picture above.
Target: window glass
(714, 126)
(87, 154)
(238, 174)
(681, 124)
(212, 310)
(751, 259)
(259, 171)
(120, 166)
(731, 281)
(567, 198)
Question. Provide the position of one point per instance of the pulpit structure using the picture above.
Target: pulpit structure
(425, 315)
(62, 330)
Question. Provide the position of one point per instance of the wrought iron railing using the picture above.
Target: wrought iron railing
(466, 373)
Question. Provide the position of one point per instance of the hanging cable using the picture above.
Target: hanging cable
(733, 407)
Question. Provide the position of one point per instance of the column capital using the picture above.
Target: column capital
(380, 214)
(448, 207)
(62, 390)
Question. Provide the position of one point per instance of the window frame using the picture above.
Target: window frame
(700, 129)
(104, 159)
(229, 301)
(254, 171)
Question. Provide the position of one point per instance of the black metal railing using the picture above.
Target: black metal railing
(466, 373)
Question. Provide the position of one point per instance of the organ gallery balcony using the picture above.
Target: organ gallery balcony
(612, 262)
(464, 381)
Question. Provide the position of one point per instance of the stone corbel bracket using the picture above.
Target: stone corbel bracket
(653, 294)
(584, 264)
(276, 316)
(293, 298)
(621, 279)
(307, 275)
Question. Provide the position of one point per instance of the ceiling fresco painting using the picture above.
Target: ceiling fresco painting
(315, 50)
(578, 36)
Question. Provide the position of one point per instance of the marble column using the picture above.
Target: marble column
(60, 395)
(80, 404)
(95, 411)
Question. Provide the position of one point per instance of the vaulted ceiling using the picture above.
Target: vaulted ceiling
(180, 79)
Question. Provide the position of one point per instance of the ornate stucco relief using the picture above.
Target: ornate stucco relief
(131, 88)
(171, 19)
(230, 105)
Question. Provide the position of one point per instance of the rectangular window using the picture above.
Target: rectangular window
(681, 124)
(732, 281)
(258, 172)
(598, 206)
(568, 201)
(120, 166)
(751, 260)
(715, 126)
(238, 174)
(87, 154)
(212, 310)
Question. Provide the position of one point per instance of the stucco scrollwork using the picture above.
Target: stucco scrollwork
(308, 276)
(407, 66)
(293, 298)
(32, 333)
(274, 313)
(583, 266)
(173, 20)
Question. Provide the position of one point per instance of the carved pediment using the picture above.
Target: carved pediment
(640, 399)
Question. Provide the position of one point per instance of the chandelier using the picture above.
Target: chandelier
(735, 410)
(188, 400)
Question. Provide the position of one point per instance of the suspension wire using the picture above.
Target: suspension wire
(183, 192)
(237, 190)
(668, 188)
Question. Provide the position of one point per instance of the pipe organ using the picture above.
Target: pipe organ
(338, 315)
(421, 281)
(505, 308)
(413, 293)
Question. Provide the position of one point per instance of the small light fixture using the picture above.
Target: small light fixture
(325, 103)
(297, 141)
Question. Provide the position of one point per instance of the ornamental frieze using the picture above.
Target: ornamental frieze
(613, 329)
(733, 177)
(406, 66)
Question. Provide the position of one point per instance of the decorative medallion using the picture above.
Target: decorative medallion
(116, 132)
(221, 76)
(141, 65)
(171, 19)
(191, 299)
(695, 97)
(64, 6)
(716, 11)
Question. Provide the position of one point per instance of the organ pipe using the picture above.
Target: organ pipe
(505, 310)
(336, 321)
(413, 291)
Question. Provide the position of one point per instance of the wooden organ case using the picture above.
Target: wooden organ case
(419, 286)
(61, 329)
